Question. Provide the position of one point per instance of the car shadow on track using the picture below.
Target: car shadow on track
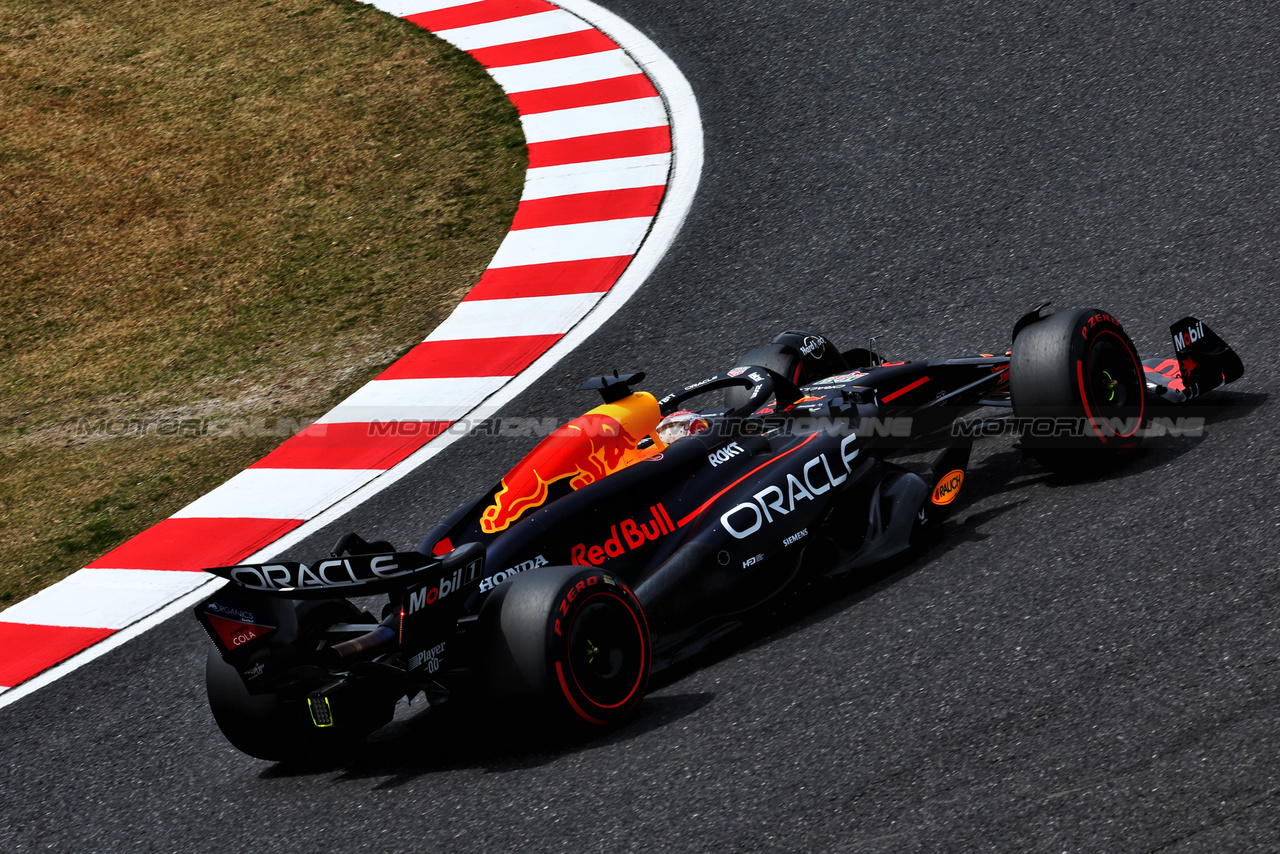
(1002, 471)
(831, 597)
(446, 740)
(1159, 451)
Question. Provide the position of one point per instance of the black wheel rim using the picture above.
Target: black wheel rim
(606, 651)
(1111, 384)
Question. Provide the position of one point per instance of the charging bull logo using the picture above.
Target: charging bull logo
(586, 449)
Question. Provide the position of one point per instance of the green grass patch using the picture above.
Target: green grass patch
(234, 211)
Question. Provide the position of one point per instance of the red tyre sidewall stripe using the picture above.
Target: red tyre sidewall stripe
(568, 695)
(1084, 396)
(640, 631)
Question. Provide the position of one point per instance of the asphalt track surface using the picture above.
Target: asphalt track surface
(1077, 666)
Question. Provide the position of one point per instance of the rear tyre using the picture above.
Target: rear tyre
(268, 726)
(569, 643)
(1077, 385)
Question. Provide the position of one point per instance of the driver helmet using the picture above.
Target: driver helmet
(679, 424)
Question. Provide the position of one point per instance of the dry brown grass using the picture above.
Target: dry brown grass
(240, 208)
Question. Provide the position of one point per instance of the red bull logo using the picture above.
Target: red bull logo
(586, 449)
(626, 536)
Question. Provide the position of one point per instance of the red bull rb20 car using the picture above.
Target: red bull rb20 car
(643, 531)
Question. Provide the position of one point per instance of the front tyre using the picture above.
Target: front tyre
(571, 641)
(1078, 390)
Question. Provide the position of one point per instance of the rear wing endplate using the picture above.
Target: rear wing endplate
(1204, 360)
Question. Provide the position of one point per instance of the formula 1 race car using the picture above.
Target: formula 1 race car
(640, 533)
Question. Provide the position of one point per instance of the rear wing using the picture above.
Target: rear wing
(352, 575)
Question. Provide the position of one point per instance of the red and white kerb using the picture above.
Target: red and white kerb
(599, 145)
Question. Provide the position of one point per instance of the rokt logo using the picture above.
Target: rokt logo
(730, 450)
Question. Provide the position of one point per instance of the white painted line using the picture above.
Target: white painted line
(104, 598)
(403, 412)
(649, 170)
(120, 638)
(597, 118)
(568, 71)
(404, 8)
(525, 28)
(578, 242)
(276, 493)
(502, 318)
(430, 399)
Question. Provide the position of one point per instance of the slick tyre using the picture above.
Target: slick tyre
(268, 726)
(570, 644)
(1078, 390)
